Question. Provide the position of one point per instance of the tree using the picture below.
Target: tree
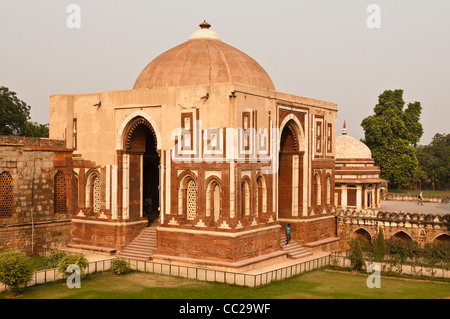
(434, 162)
(380, 247)
(15, 117)
(356, 258)
(391, 134)
(402, 249)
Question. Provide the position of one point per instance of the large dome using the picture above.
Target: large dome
(203, 59)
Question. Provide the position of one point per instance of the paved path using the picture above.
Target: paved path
(286, 263)
(412, 207)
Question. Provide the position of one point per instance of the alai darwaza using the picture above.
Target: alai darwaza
(204, 153)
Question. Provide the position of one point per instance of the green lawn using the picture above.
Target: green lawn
(317, 284)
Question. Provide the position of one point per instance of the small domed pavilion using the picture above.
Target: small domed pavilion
(357, 179)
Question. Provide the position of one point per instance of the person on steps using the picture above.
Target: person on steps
(288, 234)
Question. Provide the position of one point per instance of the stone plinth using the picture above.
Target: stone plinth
(218, 246)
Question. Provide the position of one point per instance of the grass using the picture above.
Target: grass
(39, 262)
(318, 284)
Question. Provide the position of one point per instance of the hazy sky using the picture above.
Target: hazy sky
(318, 49)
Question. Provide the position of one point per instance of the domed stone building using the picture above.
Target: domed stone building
(204, 145)
(357, 181)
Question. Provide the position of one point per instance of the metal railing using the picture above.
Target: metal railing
(229, 277)
(51, 275)
(387, 266)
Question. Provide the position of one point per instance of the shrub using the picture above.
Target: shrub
(53, 257)
(15, 270)
(78, 259)
(439, 250)
(120, 266)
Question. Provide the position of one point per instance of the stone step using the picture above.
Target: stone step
(294, 249)
(142, 247)
(136, 251)
(139, 246)
(134, 256)
(146, 238)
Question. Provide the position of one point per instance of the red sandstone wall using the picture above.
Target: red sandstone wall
(104, 235)
(311, 231)
(218, 248)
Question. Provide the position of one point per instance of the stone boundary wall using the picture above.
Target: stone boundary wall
(31, 141)
(423, 228)
(32, 224)
(415, 197)
(36, 238)
(196, 273)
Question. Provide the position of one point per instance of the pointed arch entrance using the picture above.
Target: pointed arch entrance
(290, 172)
(141, 162)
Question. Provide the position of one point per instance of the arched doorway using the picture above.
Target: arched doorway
(289, 172)
(364, 238)
(401, 235)
(442, 238)
(141, 163)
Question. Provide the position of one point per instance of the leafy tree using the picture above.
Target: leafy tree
(391, 134)
(439, 251)
(402, 249)
(434, 162)
(15, 117)
(35, 129)
(15, 270)
(380, 246)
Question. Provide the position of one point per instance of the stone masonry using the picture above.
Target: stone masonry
(423, 228)
(31, 164)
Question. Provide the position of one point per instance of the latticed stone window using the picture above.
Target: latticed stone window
(191, 197)
(60, 196)
(96, 194)
(6, 195)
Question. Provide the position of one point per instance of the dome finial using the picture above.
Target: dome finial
(204, 32)
(344, 129)
(205, 25)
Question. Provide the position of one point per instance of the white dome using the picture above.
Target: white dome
(348, 147)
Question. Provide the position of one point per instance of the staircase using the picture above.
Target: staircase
(294, 249)
(142, 247)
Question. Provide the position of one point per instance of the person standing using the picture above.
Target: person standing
(420, 199)
(288, 234)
